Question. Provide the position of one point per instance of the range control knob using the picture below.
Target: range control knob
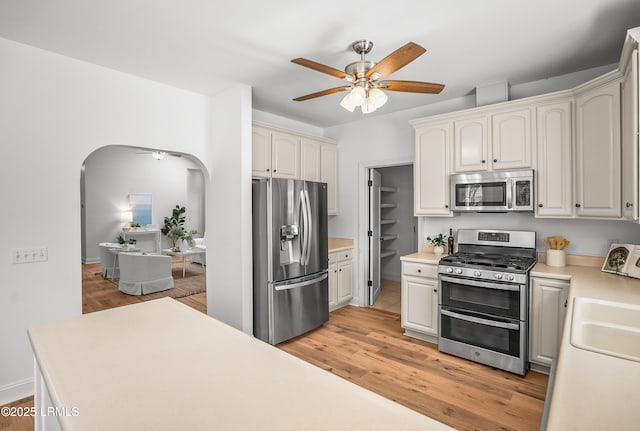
(498, 276)
(458, 270)
(510, 277)
(477, 273)
(449, 270)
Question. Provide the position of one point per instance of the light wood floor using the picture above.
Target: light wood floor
(389, 299)
(366, 346)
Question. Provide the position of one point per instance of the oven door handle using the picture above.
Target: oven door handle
(480, 321)
(489, 285)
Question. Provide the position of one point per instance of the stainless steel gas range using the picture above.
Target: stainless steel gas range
(484, 298)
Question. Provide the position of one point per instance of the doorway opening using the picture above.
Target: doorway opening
(126, 192)
(391, 232)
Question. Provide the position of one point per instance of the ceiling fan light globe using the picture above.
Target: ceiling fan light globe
(357, 95)
(378, 97)
(368, 106)
(347, 104)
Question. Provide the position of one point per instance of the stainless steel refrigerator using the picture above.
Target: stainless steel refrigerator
(290, 258)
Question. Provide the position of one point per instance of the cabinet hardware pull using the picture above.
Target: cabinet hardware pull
(446, 206)
(419, 270)
(629, 205)
(484, 161)
(340, 270)
(565, 303)
(274, 170)
(267, 169)
(540, 205)
(495, 160)
(577, 205)
(435, 290)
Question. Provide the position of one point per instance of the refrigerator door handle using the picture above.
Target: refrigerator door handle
(300, 284)
(303, 232)
(309, 227)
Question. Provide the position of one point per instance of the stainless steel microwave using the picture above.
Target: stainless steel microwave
(500, 191)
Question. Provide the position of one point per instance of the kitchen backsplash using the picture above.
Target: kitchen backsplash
(588, 237)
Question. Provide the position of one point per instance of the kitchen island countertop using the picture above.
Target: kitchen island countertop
(161, 365)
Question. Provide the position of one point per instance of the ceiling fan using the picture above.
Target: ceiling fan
(366, 78)
(159, 155)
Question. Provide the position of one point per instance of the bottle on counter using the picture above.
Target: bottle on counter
(450, 241)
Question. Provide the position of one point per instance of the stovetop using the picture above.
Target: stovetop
(502, 262)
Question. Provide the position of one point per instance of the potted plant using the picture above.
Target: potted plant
(174, 228)
(438, 243)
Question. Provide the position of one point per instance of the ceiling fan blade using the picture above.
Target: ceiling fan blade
(412, 86)
(324, 69)
(323, 93)
(396, 60)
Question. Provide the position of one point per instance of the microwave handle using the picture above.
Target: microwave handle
(511, 192)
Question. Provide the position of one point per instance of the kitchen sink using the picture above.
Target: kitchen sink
(610, 328)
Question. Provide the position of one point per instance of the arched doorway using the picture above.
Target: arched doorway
(111, 177)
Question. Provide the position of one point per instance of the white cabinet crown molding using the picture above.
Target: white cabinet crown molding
(294, 132)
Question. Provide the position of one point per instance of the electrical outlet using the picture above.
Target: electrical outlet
(30, 255)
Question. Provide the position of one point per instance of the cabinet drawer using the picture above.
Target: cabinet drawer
(420, 269)
(340, 256)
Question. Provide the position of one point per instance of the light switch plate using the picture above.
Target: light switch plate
(30, 254)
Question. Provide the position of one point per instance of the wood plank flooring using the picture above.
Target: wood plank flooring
(389, 299)
(366, 346)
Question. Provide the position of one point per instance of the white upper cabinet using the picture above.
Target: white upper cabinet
(285, 155)
(630, 123)
(310, 159)
(598, 170)
(329, 174)
(431, 170)
(511, 139)
(471, 144)
(554, 176)
(275, 154)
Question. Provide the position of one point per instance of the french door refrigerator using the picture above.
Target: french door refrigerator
(290, 258)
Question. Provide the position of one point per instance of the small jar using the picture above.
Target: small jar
(556, 258)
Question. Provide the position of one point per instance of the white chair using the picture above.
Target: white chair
(108, 260)
(200, 245)
(141, 274)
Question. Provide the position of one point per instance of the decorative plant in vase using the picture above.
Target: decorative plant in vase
(438, 243)
(174, 228)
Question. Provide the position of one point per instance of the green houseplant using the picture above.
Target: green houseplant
(438, 243)
(174, 228)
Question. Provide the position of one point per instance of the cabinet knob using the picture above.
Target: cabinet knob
(484, 161)
(540, 205)
(267, 169)
(274, 170)
(419, 270)
(446, 206)
(340, 270)
(435, 290)
(577, 205)
(565, 303)
(495, 160)
(629, 205)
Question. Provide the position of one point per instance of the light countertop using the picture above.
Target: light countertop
(161, 365)
(593, 391)
(422, 257)
(340, 244)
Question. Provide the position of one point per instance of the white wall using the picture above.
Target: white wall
(381, 140)
(287, 123)
(112, 173)
(54, 112)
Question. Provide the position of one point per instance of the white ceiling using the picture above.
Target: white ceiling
(207, 45)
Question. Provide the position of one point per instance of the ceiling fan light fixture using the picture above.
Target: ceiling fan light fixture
(378, 97)
(368, 106)
(357, 95)
(158, 155)
(347, 103)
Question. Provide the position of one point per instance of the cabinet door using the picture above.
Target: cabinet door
(511, 140)
(261, 152)
(471, 137)
(345, 281)
(285, 155)
(548, 307)
(310, 160)
(554, 176)
(598, 152)
(329, 174)
(431, 170)
(419, 304)
(630, 121)
(333, 283)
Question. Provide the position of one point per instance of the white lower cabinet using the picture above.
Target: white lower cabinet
(419, 300)
(340, 278)
(548, 304)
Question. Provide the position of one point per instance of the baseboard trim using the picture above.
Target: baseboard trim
(16, 391)
(91, 260)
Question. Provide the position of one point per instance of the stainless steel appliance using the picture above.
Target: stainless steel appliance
(498, 191)
(290, 258)
(483, 298)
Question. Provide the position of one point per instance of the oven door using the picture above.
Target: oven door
(502, 300)
(495, 335)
